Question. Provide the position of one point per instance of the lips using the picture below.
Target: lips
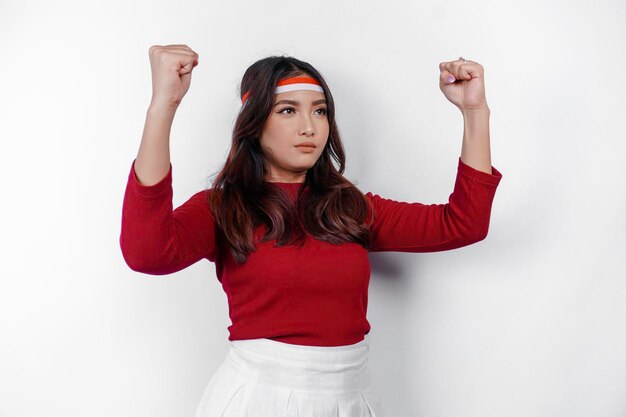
(309, 144)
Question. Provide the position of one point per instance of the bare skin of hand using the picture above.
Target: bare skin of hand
(171, 67)
(467, 88)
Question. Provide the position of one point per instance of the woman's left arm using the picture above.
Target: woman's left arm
(416, 227)
(475, 150)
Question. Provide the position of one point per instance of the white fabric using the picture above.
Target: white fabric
(299, 86)
(266, 378)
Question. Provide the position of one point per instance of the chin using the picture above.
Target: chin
(301, 168)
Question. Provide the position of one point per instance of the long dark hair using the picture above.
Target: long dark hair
(332, 210)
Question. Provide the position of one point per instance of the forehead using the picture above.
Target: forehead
(300, 96)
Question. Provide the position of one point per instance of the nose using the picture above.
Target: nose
(306, 125)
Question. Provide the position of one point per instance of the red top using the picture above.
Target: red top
(311, 295)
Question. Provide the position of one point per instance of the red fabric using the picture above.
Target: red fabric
(312, 295)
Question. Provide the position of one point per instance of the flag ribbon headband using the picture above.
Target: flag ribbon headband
(292, 84)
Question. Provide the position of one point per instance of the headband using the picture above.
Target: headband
(292, 84)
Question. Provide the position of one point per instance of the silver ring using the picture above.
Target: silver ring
(464, 61)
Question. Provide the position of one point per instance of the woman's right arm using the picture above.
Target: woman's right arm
(156, 239)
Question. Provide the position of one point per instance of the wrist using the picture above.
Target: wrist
(482, 110)
(162, 107)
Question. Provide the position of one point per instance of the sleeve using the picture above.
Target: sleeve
(157, 240)
(415, 227)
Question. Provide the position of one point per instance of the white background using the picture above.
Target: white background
(528, 322)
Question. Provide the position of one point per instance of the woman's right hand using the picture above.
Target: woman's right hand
(171, 67)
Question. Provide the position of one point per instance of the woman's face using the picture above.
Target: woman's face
(297, 117)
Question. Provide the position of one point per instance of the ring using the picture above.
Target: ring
(464, 61)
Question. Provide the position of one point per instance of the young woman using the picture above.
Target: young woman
(290, 235)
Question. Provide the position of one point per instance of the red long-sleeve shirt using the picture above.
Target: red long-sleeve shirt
(311, 295)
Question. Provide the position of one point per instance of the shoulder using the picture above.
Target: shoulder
(201, 200)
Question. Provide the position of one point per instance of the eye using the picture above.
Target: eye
(324, 111)
(291, 109)
(286, 108)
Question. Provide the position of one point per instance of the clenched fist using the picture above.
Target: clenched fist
(171, 67)
(463, 83)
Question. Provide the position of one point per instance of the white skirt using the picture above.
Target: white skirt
(266, 378)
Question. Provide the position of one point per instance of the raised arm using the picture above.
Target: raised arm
(154, 238)
(416, 227)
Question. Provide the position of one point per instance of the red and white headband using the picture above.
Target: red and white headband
(292, 84)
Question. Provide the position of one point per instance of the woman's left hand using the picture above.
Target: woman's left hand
(467, 89)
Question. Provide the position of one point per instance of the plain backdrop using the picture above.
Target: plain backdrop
(529, 322)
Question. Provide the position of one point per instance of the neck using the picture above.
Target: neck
(292, 180)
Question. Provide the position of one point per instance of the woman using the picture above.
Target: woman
(290, 235)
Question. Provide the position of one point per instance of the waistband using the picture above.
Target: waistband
(330, 369)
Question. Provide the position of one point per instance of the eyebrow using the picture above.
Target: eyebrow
(297, 103)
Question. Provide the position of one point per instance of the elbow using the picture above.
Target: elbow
(134, 264)
(474, 230)
(144, 267)
(479, 235)
(138, 261)
(471, 233)
(131, 257)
